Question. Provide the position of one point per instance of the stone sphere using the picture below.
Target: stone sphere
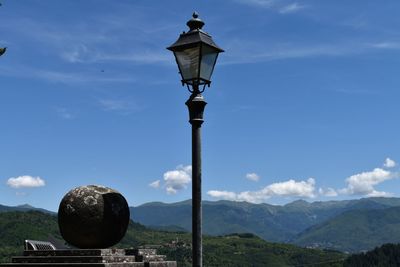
(93, 216)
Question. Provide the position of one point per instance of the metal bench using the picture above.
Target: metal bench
(38, 245)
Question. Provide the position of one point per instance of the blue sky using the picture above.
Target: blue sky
(303, 103)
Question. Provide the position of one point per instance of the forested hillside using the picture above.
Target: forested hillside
(354, 231)
(232, 250)
(387, 255)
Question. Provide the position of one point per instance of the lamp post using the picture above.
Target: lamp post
(196, 54)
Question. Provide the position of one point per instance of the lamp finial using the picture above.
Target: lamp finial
(195, 23)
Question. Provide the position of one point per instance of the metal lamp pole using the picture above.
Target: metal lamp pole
(196, 54)
(196, 105)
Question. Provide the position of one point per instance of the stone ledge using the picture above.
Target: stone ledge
(91, 258)
(73, 259)
(130, 264)
(80, 252)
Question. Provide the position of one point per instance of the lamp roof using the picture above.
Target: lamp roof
(194, 36)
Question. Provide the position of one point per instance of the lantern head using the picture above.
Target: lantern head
(196, 54)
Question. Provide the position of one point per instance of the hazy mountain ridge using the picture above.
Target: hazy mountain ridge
(273, 223)
(24, 207)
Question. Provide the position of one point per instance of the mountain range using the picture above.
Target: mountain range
(348, 225)
(25, 207)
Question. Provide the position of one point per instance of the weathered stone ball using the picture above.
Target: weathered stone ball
(93, 216)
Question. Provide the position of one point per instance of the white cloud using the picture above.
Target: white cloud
(25, 181)
(290, 188)
(253, 177)
(379, 194)
(225, 195)
(177, 179)
(155, 184)
(327, 192)
(291, 8)
(252, 196)
(363, 183)
(389, 163)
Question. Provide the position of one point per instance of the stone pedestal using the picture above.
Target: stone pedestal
(91, 258)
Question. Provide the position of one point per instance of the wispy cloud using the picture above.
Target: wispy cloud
(63, 77)
(280, 6)
(64, 113)
(256, 52)
(76, 54)
(125, 37)
(291, 8)
(84, 54)
(118, 105)
(78, 77)
(155, 184)
(239, 52)
(145, 57)
(258, 3)
(78, 47)
(355, 91)
(386, 45)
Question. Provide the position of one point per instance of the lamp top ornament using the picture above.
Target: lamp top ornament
(196, 54)
(195, 23)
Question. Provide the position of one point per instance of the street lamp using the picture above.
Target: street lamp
(196, 54)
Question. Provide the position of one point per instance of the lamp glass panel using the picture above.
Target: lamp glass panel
(188, 61)
(209, 56)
